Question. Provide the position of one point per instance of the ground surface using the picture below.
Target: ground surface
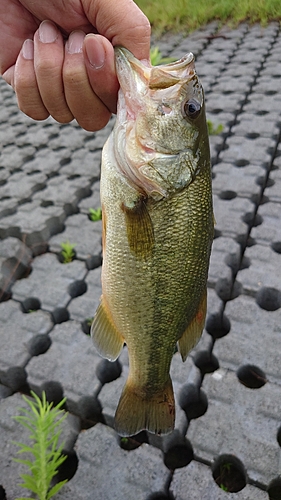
(228, 427)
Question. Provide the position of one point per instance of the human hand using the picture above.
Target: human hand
(64, 66)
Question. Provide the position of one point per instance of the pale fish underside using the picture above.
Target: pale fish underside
(157, 234)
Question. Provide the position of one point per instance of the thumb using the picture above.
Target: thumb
(122, 23)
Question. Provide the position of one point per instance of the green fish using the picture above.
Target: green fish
(157, 234)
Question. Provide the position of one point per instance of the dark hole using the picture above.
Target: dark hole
(108, 371)
(241, 163)
(86, 325)
(178, 456)
(73, 176)
(227, 195)
(264, 182)
(251, 376)
(93, 262)
(68, 468)
(53, 391)
(217, 233)
(274, 489)
(46, 203)
(15, 378)
(245, 241)
(252, 135)
(60, 314)
(252, 219)
(229, 473)
(39, 344)
(77, 288)
(276, 246)
(160, 495)
(206, 362)
(2, 493)
(31, 304)
(279, 436)
(133, 442)
(235, 263)
(218, 325)
(65, 161)
(193, 401)
(90, 410)
(269, 298)
(227, 290)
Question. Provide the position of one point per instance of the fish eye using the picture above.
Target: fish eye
(192, 108)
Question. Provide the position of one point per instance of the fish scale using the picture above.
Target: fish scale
(157, 235)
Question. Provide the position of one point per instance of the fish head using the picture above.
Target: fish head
(161, 133)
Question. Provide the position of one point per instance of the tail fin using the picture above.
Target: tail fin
(156, 414)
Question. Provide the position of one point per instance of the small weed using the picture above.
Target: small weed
(44, 423)
(67, 252)
(89, 321)
(223, 487)
(95, 214)
(156, 57)
(214, 130)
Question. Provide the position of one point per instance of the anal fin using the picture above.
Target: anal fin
(107, 340)
(194, 330)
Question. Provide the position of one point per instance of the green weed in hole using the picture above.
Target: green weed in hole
(214, 130)
(156, 57)
(44, 454)
(67, 251)
(95, 214)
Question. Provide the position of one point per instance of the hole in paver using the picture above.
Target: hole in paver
(257, 199)
(46, 203)
(53, 391)
(269, 298)
(229, 473)
(93, 262)
(227, 290)
(68, 468)
(241, 163)
(193, 401)
(39, 344)
(279, 436)
(2, 493)
(252, 135)
(251, 376)
(218, 325)
(160, 495)
(66, 257)
(264, 182)
(252, 219)
(274, 489)
(73, 176)
(227, 195)
(15, 378)
(217, 233)
(206, 362)
(86, 325)
(233, 260)
(133, 442)
(90, 410)
(107, 371)
(65, 161)
(276, 246)
(60, 314)
(15, 269)
(178, 451)
(77, 288)
(30, 305)
(245, 241)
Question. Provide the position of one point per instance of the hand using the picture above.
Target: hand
(64, 66)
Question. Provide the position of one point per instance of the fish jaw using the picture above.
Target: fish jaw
(144, 152)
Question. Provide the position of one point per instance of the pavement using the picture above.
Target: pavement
(228, 393)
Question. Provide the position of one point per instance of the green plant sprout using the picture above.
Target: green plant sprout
(223, 487)
(44, 423)
(95, 214)
(156, 57)
(67, 251)
(214, 130)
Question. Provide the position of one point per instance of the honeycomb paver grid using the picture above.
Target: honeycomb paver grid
(228, 393)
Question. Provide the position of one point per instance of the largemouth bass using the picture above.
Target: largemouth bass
(157, 234)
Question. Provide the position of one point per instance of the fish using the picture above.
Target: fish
(157, 233)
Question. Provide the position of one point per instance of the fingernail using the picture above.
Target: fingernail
(48, 32)
(95, 51)
(28, 49)
(75, 41)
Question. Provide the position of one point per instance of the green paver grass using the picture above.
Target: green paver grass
(186, 15)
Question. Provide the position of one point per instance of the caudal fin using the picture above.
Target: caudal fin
(156, 414)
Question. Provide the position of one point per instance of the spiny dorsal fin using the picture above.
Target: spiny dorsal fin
(194, 330)
(107, 340)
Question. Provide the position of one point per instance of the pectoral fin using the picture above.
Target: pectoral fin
(194, 330)
(107, 340)
(139, 229)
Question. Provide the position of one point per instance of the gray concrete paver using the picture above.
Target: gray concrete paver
(48, 181)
